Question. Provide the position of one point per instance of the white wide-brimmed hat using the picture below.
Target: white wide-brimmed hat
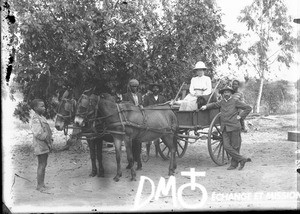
(200, 65)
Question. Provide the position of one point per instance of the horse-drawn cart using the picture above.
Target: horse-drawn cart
(202, 125)
(124, 122)
(198, 125)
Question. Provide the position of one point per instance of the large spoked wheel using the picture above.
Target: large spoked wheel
(215, 143)
(182, 145)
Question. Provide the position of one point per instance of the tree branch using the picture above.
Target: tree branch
(253, 65)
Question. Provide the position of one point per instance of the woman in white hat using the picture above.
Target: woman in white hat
(200, 85)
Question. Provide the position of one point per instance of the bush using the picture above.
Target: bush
(287, 108)
(277, 97)
(22, 112)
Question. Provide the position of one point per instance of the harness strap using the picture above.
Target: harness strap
(128, 123)
(144, 115)
(115, 132)
(120, 116)
(96, 111)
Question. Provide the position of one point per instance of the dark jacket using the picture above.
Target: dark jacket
(229, 111)
(149, 100)
(128, 97)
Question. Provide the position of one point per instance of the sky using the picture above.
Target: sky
(231, 10)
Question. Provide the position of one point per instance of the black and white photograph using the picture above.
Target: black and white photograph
(150, 105)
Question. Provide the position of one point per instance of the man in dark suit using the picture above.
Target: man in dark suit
(135, 98)
(154, 98)
(230, 125)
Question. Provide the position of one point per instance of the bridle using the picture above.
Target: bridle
(87, 106)
(89, 111)
(70, 112)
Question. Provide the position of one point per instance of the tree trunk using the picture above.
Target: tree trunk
(256, 110)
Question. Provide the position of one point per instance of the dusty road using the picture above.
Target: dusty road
(268, 182)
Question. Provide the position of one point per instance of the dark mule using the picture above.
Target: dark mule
(126, 122)
(65, 116)
(65, 112)
(89, 109)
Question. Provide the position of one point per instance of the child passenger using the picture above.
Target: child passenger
(42, 140)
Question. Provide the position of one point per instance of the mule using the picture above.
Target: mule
(125, 122)
(97, 126)
(65, 116)
(65, 112)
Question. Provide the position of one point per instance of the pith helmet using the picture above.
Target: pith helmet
(133, 82)
(200, 65)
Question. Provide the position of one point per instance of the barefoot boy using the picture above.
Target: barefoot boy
(42, 140)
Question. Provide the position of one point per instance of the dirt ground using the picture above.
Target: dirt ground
(268, 182)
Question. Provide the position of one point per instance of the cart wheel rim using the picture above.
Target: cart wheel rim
(215, 143)
(182, 146)
(165, 153)
(163, 150)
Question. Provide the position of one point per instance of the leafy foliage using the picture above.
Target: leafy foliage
(22, 112)
(80, 44)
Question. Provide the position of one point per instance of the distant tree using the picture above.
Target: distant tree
(269, 26)
(276, 95)
(250, 91)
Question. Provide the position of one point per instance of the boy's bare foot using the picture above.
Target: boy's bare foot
(43, 188)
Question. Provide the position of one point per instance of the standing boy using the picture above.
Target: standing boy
(230, 125)
(42, 140)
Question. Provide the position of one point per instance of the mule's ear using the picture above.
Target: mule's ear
(54, 102)
(88, 92)
(65, 94)
(93, 90)
(70, 96)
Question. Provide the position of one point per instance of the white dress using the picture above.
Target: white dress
(199, 86)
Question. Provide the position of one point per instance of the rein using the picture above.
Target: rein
(123, 121)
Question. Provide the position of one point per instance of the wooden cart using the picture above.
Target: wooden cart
(196, 125)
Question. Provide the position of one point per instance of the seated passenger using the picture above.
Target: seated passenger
(200, 86)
